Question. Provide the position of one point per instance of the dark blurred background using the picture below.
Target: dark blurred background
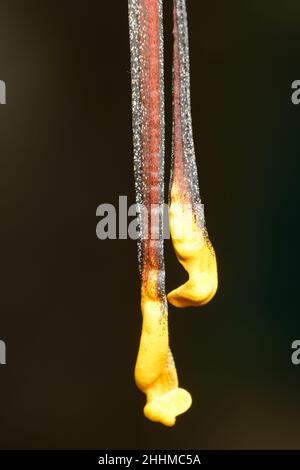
(70, 303)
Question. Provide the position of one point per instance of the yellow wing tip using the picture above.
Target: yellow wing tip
(165, 408)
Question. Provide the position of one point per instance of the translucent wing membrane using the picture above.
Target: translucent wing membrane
(155, 371)
(187, 225)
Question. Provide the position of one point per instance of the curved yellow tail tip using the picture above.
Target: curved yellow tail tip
(197, 256)
(194, 293)
(166, 407)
